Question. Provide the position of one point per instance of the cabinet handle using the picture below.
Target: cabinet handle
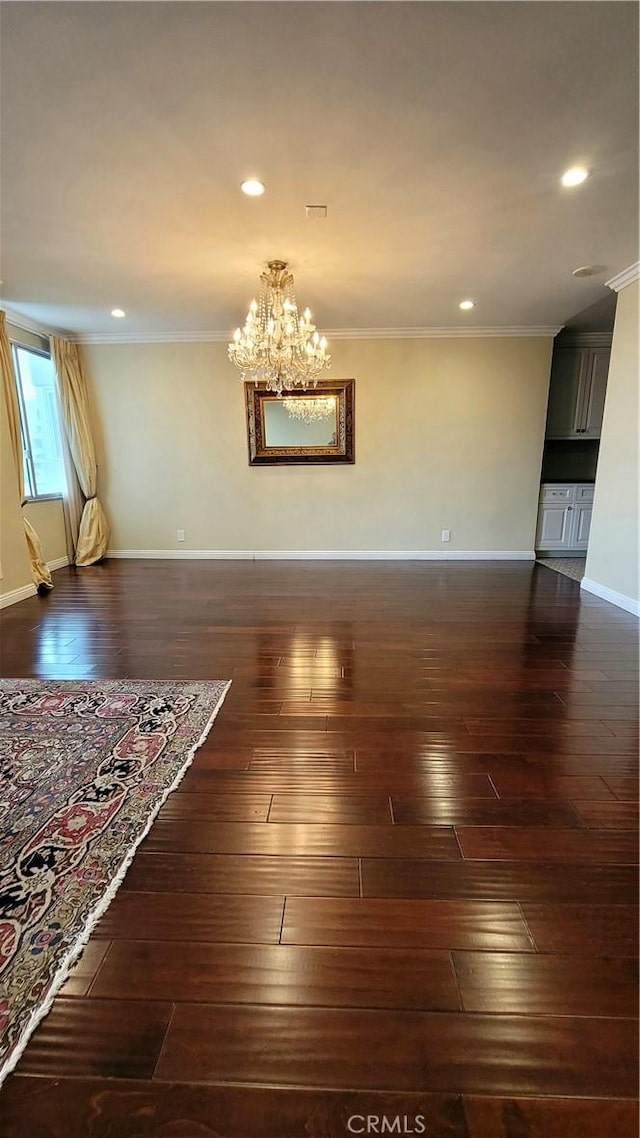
(569, 507)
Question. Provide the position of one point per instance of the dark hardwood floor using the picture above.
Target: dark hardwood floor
(399, 879)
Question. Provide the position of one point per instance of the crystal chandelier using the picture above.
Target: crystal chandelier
(277, 346)
(310, 410)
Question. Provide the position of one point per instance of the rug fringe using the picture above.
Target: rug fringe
(69, 960)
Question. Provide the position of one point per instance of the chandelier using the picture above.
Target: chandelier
(310, 410)
(277, 346)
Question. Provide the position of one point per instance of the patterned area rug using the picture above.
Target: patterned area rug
(84, 769)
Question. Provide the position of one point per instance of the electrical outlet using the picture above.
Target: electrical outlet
(180, 535)
(446, 535)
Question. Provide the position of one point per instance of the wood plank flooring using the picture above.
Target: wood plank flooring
(398, 881)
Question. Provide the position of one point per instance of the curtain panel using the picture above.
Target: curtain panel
(39, 568)
(93, 530)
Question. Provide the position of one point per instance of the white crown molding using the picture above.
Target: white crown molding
(621, 600)
(15, 595)
(153, 337)
(452, 333)
(626, 277)
(446, 333)
(585, 340)
(322, 555)
(26, 324)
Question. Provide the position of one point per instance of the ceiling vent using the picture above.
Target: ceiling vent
(316, 210)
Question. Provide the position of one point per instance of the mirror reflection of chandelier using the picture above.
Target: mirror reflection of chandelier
(310, 410)
(277, 345)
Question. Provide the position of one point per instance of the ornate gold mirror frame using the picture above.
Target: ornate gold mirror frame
(278, 434)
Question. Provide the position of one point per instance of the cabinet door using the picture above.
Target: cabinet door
(554, 526)
(595, 391)
(566, 391)
(579, 537)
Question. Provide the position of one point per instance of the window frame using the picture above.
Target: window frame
(24, 425)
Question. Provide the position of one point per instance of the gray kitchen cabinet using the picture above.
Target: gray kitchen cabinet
(581, 525)
(564, 517)
(577, 392)
(595, 389)
(554, 522)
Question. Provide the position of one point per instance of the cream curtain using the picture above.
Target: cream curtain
(93, 531)
(39, 567)
(72, 501)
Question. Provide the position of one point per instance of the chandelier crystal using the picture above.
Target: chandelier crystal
(278, 346)
(310, 410)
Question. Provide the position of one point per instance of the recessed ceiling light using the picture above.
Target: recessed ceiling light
(252, 187)
(118, 313)
(467, 304)
(574, 176)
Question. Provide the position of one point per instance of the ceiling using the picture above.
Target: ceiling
(598, 317)
(435, 133)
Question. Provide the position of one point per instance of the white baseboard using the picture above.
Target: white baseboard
(324, 554)
(182, 554)
(394, 555)
(26, 591)
(620, 599)
(15, 595)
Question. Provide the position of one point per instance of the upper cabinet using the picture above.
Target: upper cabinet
(576, 392)
(595, 389)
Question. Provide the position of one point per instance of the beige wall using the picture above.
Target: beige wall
(47, 518)
(16, 570)
(612, 560)
(449, 434)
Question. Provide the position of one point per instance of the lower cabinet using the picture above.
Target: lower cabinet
(564, 517)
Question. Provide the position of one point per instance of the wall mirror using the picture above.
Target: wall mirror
(313, 425)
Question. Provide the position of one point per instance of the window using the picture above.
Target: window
(43, 461)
